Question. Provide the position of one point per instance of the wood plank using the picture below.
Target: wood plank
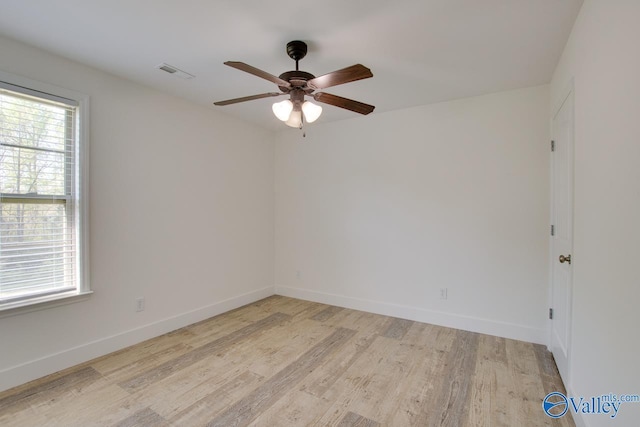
(354, 420)
(318, 383)
(548, 370)
(354, 319)
(426, 377)
(412, 404)
(326, 378)
(268, 352)
(490, 353)
(158, 372)
(224, 324)
(529, 393)
(144, 417)
(307, 403)
(310, 311)
(294, 408)
(121, 358)
(327, 313)
(504, 410)
(370, 383)
(248, 408)
(25, 416)
(289, 306)
(84, 408)
(479, 414)
(49, 389)
(138, 365)
(186, 387)
(285, 348)
(453, 404)
(206, 408)
(410, 398)
(414, 345)
(397, 328)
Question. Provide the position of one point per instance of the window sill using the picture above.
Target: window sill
(42, 303)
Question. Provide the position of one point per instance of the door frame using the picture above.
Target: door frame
(565, 94)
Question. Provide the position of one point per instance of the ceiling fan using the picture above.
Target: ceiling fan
(298, 84)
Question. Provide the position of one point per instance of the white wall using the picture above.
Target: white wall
(380, 212)
(181, 212)
(603, 57)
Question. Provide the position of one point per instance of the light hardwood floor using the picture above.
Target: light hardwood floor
(287, 362)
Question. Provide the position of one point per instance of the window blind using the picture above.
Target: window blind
(38, 191)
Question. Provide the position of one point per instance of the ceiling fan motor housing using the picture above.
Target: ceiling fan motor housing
(296, 50)
(297, 79)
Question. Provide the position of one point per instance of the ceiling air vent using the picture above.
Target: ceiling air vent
(175, 71)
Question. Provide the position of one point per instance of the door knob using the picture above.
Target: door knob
(564, 259)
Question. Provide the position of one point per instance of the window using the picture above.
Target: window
(42, 208)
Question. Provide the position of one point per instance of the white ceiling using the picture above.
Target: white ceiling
(420, 51)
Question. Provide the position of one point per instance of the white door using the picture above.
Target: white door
(562, 240)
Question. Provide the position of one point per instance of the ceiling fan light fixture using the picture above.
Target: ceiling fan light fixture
(295, 119)
(282, 109)
(311, 111)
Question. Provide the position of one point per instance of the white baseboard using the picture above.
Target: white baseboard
(467, 323)
(578, 419)
(38, 368)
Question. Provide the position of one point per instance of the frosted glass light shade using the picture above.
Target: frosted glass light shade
(311, 111)
(295, 119)
(283, 109)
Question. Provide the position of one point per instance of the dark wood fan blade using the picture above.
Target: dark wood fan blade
(346, 103)
(257, 72)
(248, 98)
(346, 75)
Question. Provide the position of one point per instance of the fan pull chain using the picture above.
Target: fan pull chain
(304, 132)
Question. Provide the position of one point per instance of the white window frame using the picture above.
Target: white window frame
(83, 288)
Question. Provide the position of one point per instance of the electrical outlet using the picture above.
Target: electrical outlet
(140, 304)
(298, 274)
(443, 293)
